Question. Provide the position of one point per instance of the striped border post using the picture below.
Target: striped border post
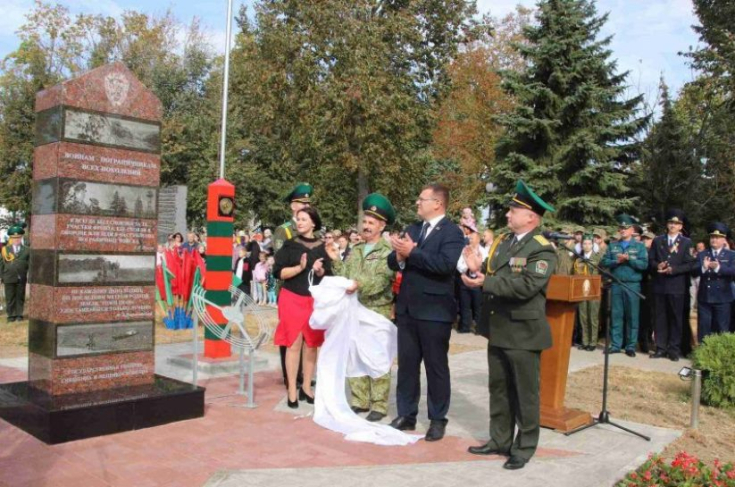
(219, 261)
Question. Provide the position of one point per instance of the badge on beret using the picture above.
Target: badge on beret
(542, 267)
(373, 208)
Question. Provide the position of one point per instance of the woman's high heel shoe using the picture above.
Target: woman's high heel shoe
(305, 397)
(292, 404)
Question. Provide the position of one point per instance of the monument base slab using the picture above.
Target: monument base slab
(58, 419)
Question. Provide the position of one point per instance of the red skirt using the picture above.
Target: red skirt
(294, 312)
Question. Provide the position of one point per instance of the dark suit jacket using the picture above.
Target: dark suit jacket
(680, 260)
(715, 287)
(427, 286)
(15, 271)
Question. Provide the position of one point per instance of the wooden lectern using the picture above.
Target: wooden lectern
(561, 295)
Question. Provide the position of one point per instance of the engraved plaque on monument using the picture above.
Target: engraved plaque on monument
(93, 241)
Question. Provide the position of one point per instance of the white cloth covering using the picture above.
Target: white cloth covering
(347, 323)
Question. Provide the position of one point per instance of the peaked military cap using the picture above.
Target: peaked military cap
(717, 229)
(16, 231)
(626, 221)
(674, 215)
(301, 193)
(378, 206)
(648, 234)
(524, 197)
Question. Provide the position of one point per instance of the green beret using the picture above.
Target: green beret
(587, 236)
(524, 197)
(378, 206)
(301, 193)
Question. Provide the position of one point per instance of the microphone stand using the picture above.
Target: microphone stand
(604, 416)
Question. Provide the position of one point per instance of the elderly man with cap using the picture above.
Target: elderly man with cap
(627, 261)
(298, 198)
(14, 272)
(367, 266)
(716, 266)
(517, 272)
(670, 263)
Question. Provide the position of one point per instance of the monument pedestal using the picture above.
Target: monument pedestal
(561, 297)
(96, 172)
(58, 419)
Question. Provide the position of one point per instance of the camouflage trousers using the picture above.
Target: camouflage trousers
(369, 393)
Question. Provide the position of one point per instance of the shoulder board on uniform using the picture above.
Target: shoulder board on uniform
(542, 240)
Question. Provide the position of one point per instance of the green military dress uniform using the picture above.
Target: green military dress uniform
(369, 267)
(14, 273)
(625, 305)
(589, 311)
(514, 321)
(302, 194)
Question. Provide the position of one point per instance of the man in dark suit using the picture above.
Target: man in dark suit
(716, 266)
(670, 262)
(516, 274)
(425, 308)
(14, 272)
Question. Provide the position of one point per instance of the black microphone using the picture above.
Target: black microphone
(557, 236)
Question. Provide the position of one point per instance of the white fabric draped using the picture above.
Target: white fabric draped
(358, 340)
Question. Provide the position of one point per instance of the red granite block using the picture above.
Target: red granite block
(94, 373)
(112, 88)
(91, 304)
(98, 233)
(94, 163)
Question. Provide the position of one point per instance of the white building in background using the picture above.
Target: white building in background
(5, 215)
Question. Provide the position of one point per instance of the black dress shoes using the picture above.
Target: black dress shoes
(673, 357)
(630, 353)
(488, 448)
(591, 348)
(375, 416)
(436, 431)
(403, 423)
(515, 463)
(658, 355)
(292, 404)
(357, 410)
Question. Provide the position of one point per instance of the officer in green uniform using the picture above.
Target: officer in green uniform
(627, 260)
(14, 272)
(367, 265)
(298, 198)
(517, 272)
(589, 311)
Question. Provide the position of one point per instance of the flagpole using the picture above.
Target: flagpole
(225, 87)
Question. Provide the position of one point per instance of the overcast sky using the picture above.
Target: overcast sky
(648, 34)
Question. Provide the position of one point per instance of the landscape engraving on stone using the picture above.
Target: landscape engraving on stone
(102, 129)
(103, 337)
(89, 198)
(105, 269)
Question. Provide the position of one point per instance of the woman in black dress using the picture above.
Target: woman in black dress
(293, 262)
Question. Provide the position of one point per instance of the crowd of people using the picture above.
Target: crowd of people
(437, 274)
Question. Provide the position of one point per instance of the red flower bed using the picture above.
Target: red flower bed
(684, 471)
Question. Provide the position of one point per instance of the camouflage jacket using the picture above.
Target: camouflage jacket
(283, 233)
(373, 275)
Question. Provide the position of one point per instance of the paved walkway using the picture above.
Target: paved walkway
(273, 445)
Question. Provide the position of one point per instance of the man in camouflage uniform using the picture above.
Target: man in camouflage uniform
(367, 265)
(298, 198)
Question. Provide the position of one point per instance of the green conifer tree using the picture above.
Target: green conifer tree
(570, 136)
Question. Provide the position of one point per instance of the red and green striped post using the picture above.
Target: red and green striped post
(220, 211)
